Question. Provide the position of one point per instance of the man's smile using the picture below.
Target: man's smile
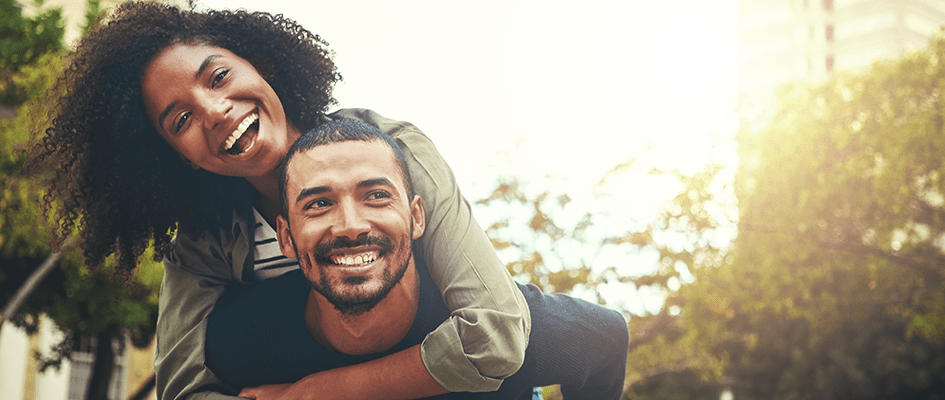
(344, 252)
(355, 260)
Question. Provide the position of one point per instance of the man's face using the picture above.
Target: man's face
(350, 223)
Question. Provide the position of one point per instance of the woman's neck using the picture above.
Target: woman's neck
(269, 203)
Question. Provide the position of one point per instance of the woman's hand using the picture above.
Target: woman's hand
(266, 392)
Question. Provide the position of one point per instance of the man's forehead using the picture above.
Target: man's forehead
(344, 162)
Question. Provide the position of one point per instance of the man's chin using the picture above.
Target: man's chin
(356, 294)
(355, 304)
(354, 280)
(351, 295)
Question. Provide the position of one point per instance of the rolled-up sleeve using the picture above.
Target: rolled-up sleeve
(485, 338)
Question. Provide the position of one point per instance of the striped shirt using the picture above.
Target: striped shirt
(269, 261)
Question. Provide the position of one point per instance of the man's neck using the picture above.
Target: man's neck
(374, 331)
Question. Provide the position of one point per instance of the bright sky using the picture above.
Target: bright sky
(532, 88)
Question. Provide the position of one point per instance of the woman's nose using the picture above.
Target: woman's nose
(216, 110)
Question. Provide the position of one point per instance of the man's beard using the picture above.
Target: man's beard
(359, 302)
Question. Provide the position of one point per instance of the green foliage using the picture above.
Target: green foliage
(856, 183)
(562, 246)
(833, 287)
(531, 246)
(22, 42)
(92, 12)
(79, 302)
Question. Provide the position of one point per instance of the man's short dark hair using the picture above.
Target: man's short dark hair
(336, 131)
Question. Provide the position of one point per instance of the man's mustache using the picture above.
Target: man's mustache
(322, 250)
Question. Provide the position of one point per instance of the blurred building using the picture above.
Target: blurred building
(787, 40)
(21, 379)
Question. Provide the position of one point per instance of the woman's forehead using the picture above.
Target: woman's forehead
(193, 55)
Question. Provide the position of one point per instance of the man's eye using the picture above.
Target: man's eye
(181, 121)
(219, 77)
(378, 195)
(320, 203)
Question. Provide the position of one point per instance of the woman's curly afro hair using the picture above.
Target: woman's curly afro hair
(113, 177)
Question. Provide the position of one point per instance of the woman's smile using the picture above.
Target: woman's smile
(243, 138)
(216, 110)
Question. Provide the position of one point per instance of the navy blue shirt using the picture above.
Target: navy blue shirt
(256, 335)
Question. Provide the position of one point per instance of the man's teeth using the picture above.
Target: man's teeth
(240, 130)
(355, 260)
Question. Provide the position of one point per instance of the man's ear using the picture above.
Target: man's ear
(418, 219)
(285, 237)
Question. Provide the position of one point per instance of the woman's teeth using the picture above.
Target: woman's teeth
(240, 130)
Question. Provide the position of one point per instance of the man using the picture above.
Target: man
(350, 218)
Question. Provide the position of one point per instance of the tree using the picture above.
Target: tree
(835, 284)
(560, 250)
(78, 301)
(22, 42)
(841, 199)
(833, 287)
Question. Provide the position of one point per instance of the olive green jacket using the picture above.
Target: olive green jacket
(483, 342)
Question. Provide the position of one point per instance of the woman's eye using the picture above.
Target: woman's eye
(219, 77)
(181, 121)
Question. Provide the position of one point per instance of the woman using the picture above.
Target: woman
(139, 156)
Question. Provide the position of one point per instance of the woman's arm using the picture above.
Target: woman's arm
(195, 274)
(398, 376)
(485, 338)
(482, 343)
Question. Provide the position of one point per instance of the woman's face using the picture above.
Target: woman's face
(216, 110)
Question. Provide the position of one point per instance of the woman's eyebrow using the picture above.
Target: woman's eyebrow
(203, 66)
(165, 112)
(206, 62)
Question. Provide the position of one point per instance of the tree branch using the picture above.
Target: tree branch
(651, 372)
(929, 272)
(34, 280)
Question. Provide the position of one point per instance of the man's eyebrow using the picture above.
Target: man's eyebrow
(316, 190)
(312, 191)
(206, 62)
(375, 182)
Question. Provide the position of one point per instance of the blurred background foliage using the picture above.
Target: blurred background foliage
(833, 286)
(80, 302)
(814, 268)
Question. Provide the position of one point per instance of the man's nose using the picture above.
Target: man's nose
(350, 222)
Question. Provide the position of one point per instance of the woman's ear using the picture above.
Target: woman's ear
(284, 235)
(188, 162)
